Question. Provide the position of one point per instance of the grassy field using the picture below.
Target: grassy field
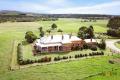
(73, 70)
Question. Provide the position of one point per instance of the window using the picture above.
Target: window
(44, 48)
(56, 47)
(60, 48)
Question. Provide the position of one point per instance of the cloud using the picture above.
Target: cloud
(61, 6)
(105, 8)
(41, 7)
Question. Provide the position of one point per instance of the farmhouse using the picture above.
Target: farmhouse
(60, 43)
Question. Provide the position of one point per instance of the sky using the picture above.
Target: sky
(63, 6)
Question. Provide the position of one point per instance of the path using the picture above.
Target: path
(111, 44)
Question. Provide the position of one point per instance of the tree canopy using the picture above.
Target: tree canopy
(114, 27)
(114, 23)
(30, 36)
(42, 33)
(54, 26)
(40, 29)
(85, 32)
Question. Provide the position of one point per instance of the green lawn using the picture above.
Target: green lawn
(73, 70)
(28, 53)
(117, 44)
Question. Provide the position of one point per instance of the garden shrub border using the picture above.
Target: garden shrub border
(45, 59)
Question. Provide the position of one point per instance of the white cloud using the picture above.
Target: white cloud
(105, 8)
(62, 7)
(43, 7)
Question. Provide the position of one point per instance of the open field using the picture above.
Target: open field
(73, 70)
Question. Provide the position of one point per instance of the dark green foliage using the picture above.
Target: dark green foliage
(30, 37)
(65, 57)
(85, 32)
(54, 26)
(42, 33)
(49, 31)
(114, 23)
(46, 59)
(60, 30)
(90, 32)
(40, 29)
(96, 53)
(85, 46)
(114, 27)
(111, 61)
(102, 44)
(114, 32)
(19, 53)
(57, 58)
(80, 55)
(24, 18)
(28, 61)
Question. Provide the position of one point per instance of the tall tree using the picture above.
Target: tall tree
(42, 33)
(54, 26)
(102, 44)
(30, 36)
(114, 23)
(40, 29)
(90, 32)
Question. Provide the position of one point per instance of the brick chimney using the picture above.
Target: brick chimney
(91, 39)
(62, 37)
(70, 36)
(51, 36)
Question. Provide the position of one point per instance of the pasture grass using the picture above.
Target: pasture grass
(73, 70)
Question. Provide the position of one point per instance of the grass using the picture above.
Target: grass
(69, 25)
(28, 54)
(73, 70)
(117, 44)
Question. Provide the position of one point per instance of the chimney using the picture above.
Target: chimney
(70, 36)
(91, 39)
(51, 36)
(62, 37)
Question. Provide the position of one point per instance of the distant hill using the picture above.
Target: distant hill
(8, 12)
(12, 13)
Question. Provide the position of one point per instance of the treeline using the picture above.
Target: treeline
(83, 16)
(114, 27)
(24, 18)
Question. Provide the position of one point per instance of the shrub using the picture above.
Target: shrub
(19, 53)
(85, 46)
(57, 58)
(45, 59)
(70, 56)
(94, 48)
(65, 57)
(85, 55)
(111, 61)
(39, 60)
(102, 44)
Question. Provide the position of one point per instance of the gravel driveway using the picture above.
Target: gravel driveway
(111, 44)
